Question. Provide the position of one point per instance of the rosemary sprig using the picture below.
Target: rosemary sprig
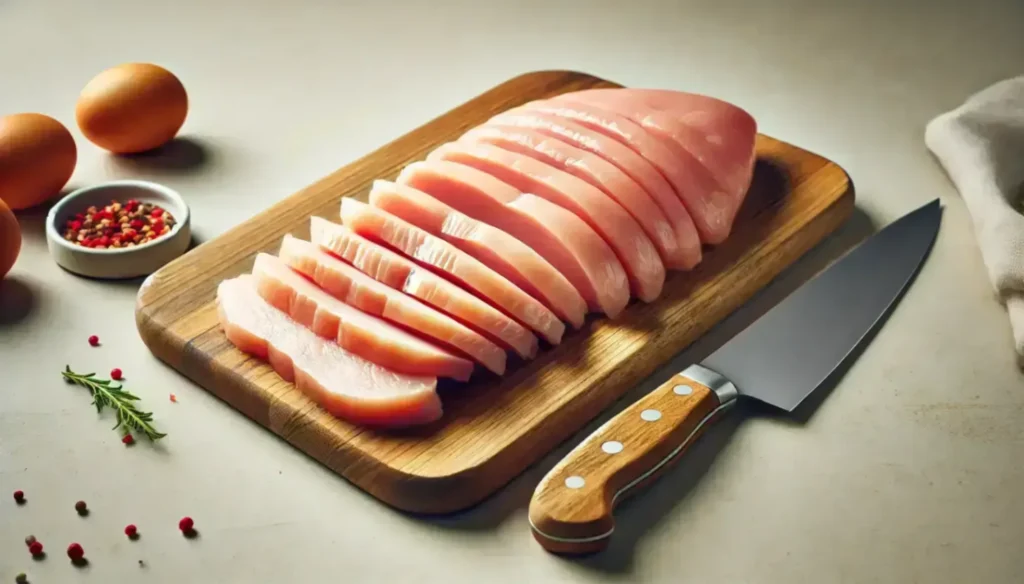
(105, 393)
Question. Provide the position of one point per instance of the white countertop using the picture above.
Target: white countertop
(910, 470)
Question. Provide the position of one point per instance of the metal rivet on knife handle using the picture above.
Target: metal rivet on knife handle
(575, 482)
(612, 447)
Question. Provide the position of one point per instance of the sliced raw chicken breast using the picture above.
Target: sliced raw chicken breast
(676, 240)
(559, 236)
(596, 142)
(360, 333)
(687, 176)
(372, 297)
(496, 249)
(345, 385)
(400, 273)
(453, 263)
(729, 131)
(717, 134)
(644, 268)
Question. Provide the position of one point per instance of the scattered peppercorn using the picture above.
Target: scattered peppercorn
(19, 497)
(21, 579)
(174, 398)
(128, 439)
(35, 548)
(118, 225)
(30, 540)
(131, 531)
(81, 508)
(116, 374)
(75, 552)
(94, 340)
(186, 525)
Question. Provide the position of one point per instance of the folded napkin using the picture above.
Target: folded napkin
(981, 146)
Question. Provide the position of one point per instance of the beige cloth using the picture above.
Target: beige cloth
(981, 146)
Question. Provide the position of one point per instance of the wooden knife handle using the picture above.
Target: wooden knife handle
(571, 509)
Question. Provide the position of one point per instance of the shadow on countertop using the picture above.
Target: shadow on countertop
(17, 300)
(33, 219)
(182, 155)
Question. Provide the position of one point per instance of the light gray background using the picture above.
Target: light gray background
(910, 471)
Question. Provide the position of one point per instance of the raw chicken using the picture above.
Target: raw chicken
(644, 267)
(666, 222)
(357, 332)
(717, 134)
(372, 297)
(729, 131)
(559, 236)
(496, 249)
(345, 385)
(453, 263)
(620, 155)
(400, 273)
(686, 175)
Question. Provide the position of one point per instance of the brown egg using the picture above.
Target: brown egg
(37, 157)
(132, 108)
(10, 239)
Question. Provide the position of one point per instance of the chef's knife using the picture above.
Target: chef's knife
(780, 359)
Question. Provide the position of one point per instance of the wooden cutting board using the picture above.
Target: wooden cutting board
(494, 428)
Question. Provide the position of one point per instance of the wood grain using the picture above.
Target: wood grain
(576, 517)
(493, 428)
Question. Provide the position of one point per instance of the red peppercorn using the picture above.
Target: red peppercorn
(186, 525)
(75, 552)
(174, 398)
(131, 530)
(157, 226)
(136, 223)
(157, 213)
(35, 548)
(116, 374)
(94, 340)
(128, 439)
(19, 496)
(80, 507)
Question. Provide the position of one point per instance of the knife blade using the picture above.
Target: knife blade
(780, 359)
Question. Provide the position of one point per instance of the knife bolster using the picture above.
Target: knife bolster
(713, 380)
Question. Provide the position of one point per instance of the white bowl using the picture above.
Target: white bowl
(123, 262)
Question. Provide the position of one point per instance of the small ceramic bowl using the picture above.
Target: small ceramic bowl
(125, 262)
